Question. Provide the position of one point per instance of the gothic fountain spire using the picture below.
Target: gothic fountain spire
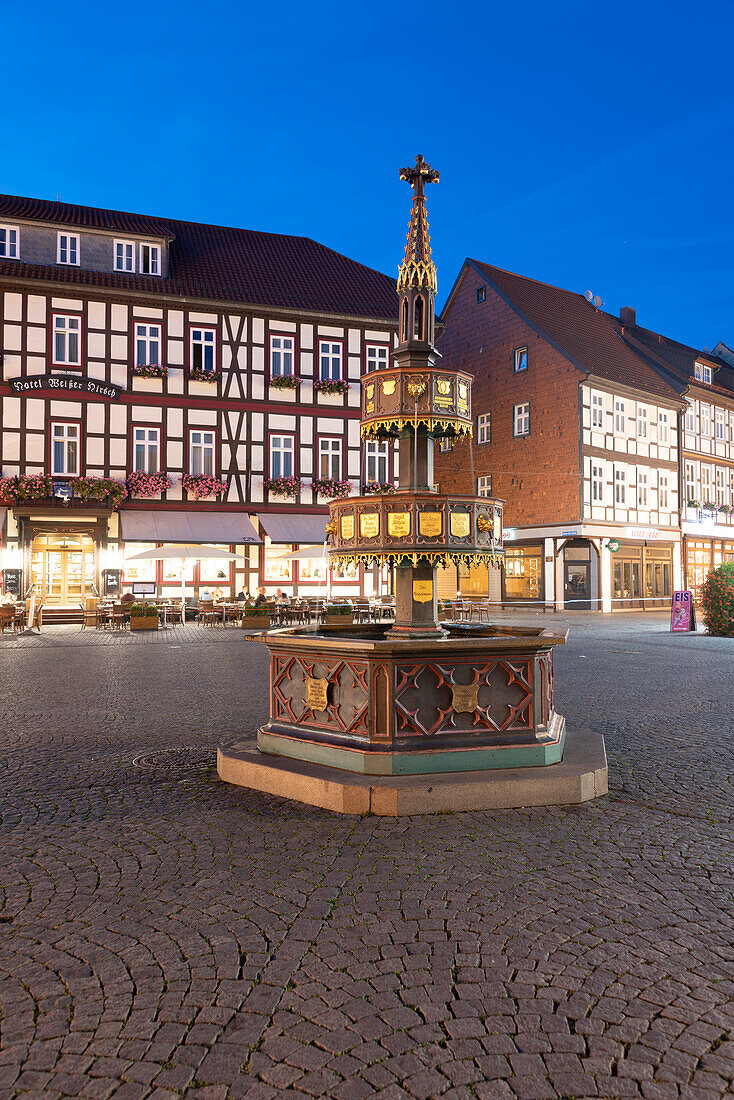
(417, 273)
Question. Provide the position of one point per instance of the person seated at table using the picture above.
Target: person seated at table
(218, 595)
(261, 598)
(9, 598)
(280, 596)
(205, 595)
(241, 597)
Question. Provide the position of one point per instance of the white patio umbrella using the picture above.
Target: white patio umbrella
(308, 553)
(183, 551)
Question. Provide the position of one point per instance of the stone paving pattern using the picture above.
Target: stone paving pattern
(164, 935)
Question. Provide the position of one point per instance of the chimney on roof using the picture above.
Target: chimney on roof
(627, 316)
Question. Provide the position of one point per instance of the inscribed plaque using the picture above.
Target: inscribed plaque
(347, 527)
(398, 524)
(465, 697)
(422, 591)
(498, 527)
(317, 692)
(430, 524)
(460, 525)
(369, 525)
(388, 387)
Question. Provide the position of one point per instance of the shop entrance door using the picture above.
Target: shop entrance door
(62, 569)
(576, 590)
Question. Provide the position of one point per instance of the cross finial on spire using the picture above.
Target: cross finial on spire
(419, 176)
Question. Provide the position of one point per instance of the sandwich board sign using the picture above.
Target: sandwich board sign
(683, 613)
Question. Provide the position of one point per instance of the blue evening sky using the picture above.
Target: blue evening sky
(585, 144)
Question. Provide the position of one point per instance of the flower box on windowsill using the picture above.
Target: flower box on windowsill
(284, 382)
(145, 486)
(150, 370)
(199, 374)
(331, 488)
(331, 387)
(199, 486)
(377, 488)
(282, 486)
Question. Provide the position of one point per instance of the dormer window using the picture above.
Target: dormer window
(9, 242)
(124, 255)
(703, 373)
(67, 249)
(150, 259)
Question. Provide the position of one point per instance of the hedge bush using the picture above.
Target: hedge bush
(717, 601)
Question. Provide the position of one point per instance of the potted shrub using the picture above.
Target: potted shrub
(339, 614)
(143, 616)
(717, 601)
(284, 381)
(257, 618)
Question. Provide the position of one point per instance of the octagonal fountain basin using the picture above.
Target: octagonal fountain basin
(357, 699)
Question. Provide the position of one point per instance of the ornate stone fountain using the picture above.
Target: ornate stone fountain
(416, 716)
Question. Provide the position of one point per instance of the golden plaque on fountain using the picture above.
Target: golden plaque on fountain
(430, 524)
(460, 525)
(347, 528)
(398, 524)
(317, 694)
(369, 525)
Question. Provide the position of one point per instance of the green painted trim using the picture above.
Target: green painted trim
(413, 763)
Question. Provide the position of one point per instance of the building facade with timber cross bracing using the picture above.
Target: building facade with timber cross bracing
(166, 381)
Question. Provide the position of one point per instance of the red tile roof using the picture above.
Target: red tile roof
(218, 263)
(592, 339)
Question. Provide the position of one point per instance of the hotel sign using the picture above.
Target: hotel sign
(69, 383)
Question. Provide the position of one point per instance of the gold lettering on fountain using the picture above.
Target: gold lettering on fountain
(369, 525)
(465, 697)
(430, 524)
(347, 527)
(317, 694)
(422, 591)
(460, 525)
(398, 524)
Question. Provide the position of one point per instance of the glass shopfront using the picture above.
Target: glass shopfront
(642, 576)
(523, 572)
(703, 555)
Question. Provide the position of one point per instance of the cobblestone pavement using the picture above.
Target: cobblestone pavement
(162, 934)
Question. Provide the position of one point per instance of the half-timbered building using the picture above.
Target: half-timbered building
(166, 381)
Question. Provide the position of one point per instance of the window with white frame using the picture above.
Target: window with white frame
(330, 360)
(484, 428)
(203, 349)
(520, 359)
(330, 458)
(705, 484)
(641, 422)
(67, 339)
(147, 345)
(620, 486)
(720, 486)
(376, 462)
(690, 418)
(201, 452)
(719, 427)
(377, 356)
(282, 448)
(663, 427)
(67, 248)
(9, 240)
(703, 373)
(64, 450)
(620, 417)
(705, 420)
(445, 445)
(642, 488)
(597, 483)
(484, 485)
(281, 356)
(690, 479)
(597, 410)
(146, 450)
(150, 259)
(124, 253)
(521, 419)
(662, 491)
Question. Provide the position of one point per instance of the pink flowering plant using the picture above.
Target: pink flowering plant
(282, 486)
(373, 488)
(331, 385)
(331, 487)
(8, 490)
(203, 485)
(284, 381)
(34, 487)
(140, 484)
(100, 489)
(150, 370)
(200, 374)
